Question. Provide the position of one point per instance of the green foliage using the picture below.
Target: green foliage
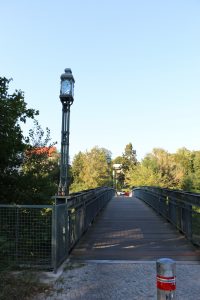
(129, 157)
(27, 231)
(94, 168)
(127, 161)
(195, 175)
(26, 175)
(13, 111)
(142, 175)
(91, 169)
(156, 169)
(77, 167)
(184, 160)
(160, 168)
(39, 170)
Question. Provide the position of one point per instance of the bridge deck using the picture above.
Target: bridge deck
(128, 229)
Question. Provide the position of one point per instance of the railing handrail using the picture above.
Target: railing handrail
(26, 206)
(42, 235)
(74, 201)
(182, 196)
(177, 208)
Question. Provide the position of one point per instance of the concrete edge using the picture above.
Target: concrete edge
(131, 262)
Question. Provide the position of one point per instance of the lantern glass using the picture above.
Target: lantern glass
(72, 90)
(66, 87)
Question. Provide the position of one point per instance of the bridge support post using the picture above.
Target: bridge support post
(166, 279)
(60, 233)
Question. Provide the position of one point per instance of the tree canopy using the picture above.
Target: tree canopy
(180, 170)
(127, 161)
(25, 175)
(91, 169)
(13, 110)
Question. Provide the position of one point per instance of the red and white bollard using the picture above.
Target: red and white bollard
(166, 279)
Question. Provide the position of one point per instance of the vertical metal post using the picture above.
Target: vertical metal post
(17, 234)
(187, 220)
(54, 238)
(173, 211)
(166, 279)
(113, 178)
(64, 184)
(66, 228)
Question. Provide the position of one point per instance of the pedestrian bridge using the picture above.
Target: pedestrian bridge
(97, 225)
(129, 229)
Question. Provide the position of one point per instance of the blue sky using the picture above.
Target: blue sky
(136, 65)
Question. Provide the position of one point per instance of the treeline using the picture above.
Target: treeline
(29, 166)
(94, 168)
(180, 170)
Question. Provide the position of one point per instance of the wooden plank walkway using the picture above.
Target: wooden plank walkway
(128, 229)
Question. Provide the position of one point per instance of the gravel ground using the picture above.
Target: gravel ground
(121, 281)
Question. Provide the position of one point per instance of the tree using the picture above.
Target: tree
(142, 175)
(14, 111)
(77, 167)
(184, 160)
(196, 174)
(156, 169)
(130, 155)
(39, 169)
(128, 161)
(161, 162)
(27, 175)
(91, 169)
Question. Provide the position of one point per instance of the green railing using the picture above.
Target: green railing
(25, 234)
(42, 236)
(180, 208)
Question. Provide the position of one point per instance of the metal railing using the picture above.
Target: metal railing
(25, 234)
(180, 208)
(83, 209)
(43, 235)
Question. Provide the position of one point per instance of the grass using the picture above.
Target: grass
(21, 285)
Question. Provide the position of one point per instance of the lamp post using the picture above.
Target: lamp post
(66, 98)
(116, 170)
(108, 160)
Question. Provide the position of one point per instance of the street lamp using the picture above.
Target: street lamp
(66, 98)
(116, 169)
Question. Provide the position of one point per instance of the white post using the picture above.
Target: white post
(166, 279)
